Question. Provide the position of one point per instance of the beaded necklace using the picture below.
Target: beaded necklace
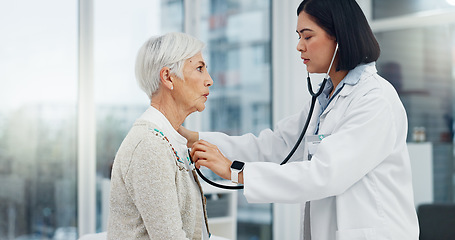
(175, 152)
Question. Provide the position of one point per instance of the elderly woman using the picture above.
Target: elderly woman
(154, 192)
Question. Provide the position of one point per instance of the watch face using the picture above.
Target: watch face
(237, 165)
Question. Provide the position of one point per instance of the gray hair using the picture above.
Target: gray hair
(169, 50)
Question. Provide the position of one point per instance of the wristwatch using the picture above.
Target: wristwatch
(236, 169)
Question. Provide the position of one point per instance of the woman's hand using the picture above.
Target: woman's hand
(191, 136)
(208, 155)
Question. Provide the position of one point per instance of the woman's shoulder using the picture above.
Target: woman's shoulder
(145, 140)
(147, 131)
(143, 132)
(151, 137)
(376, 92)
(158, 143)
(370, 82)
(377, 85)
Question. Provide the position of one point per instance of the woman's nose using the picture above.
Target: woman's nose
(209, 82)
(301, 46)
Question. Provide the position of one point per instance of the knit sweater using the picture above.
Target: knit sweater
(153, 193)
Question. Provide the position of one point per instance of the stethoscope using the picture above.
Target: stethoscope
(314, 96)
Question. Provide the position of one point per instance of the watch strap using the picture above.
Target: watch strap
(235, 176)
(236, 169)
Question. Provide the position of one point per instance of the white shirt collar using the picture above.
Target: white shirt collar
(154, 115)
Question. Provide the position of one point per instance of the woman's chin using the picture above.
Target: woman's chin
(200, 109)
(314, 71)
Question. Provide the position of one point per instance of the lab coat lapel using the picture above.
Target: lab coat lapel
(347, 89)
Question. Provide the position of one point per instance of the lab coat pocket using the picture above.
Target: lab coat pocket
(363, 234)
(311, 145)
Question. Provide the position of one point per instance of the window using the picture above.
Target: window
(38, 111)
(38, 55)
(238, 37)
(420, 68)
(419, 60)
(120, 29)
(396, 8)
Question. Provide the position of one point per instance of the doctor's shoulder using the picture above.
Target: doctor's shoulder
(375, 93)
(374, 84)
(383, 88)
(370, 94)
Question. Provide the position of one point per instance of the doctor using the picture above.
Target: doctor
(354, 173)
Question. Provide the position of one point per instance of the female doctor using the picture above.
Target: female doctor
(355, 172)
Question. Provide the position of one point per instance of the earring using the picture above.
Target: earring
(172, 87)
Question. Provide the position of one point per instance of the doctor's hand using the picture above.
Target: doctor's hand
(191, 136)
(208, 155)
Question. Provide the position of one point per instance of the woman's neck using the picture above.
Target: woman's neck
(169, 110)
(337, 77)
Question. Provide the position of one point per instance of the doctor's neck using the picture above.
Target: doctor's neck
(337, 77)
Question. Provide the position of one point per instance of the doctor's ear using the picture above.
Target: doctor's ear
(166, 78)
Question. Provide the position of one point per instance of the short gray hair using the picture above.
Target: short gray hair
(169, 50)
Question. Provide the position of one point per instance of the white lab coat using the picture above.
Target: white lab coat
(358, 181)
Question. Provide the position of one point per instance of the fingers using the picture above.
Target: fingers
(204, 153)
(203, 143)
(196, 149)
(204, 146)
(203, 158)
(208, 155)
(214, 161)
(200, 163)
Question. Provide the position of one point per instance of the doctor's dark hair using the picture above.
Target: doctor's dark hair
(345, 21)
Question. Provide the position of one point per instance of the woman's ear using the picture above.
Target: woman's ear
(166, 78)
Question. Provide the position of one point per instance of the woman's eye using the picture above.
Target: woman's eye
(307, 38)
(199, 68)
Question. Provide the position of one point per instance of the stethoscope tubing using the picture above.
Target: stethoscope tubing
(314, 96)
(296, 145)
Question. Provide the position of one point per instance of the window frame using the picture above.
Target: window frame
(288, 86)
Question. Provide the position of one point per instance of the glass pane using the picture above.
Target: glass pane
(396, 8)
(38, 77)
(421, 67)
(120, 28)
(238, 37)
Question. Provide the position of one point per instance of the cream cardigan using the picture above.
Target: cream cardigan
(152, 193)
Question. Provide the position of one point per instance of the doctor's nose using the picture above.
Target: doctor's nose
(301, 46)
